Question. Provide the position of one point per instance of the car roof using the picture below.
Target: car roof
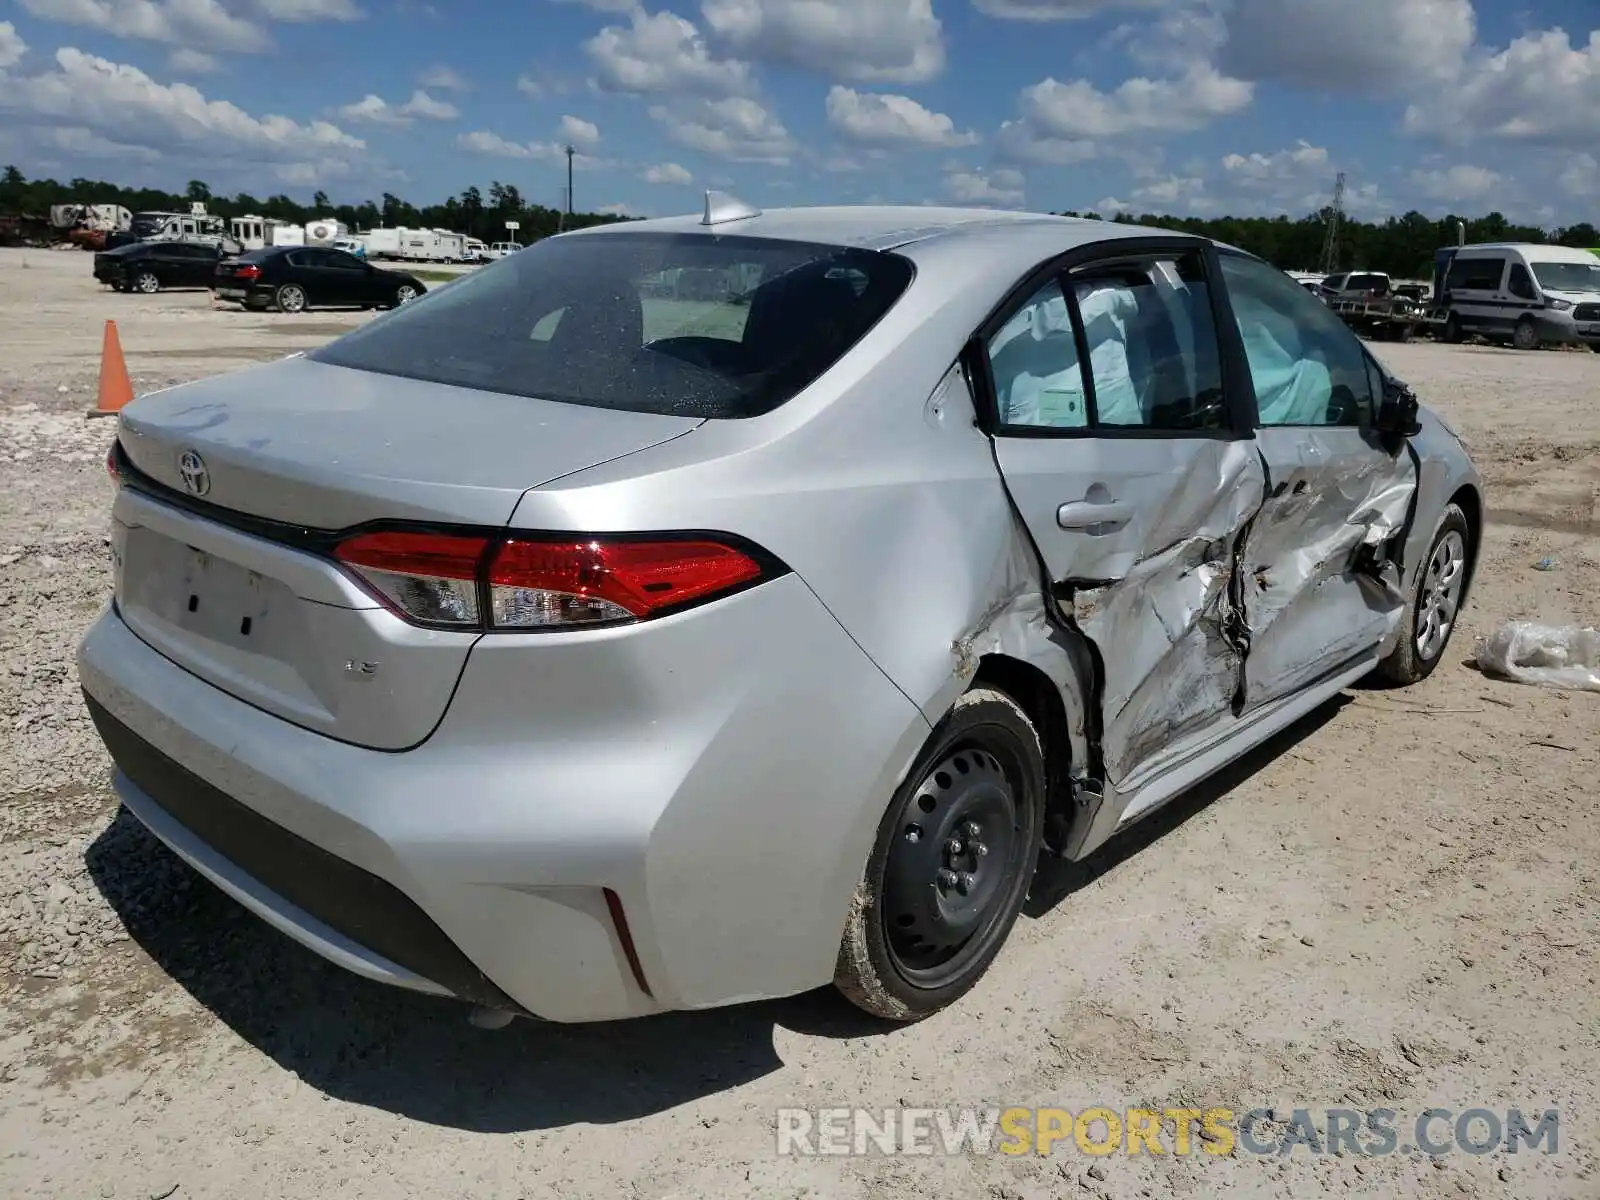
(1531, 251)
(873, 227)
(981, 248)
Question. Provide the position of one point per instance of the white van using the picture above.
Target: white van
(1528, 295)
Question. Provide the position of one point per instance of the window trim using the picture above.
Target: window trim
(1238, 406)
(1363, 425)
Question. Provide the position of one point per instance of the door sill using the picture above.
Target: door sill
(1187, 766)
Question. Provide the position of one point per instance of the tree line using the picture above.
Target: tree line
(472, 212)
(1402, 246)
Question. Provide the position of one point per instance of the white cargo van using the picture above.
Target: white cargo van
(1528, 295)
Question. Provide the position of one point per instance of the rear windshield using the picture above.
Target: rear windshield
(675, 324)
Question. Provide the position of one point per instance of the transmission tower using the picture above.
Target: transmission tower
(1330, 245)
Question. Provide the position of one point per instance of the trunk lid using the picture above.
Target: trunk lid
(239, 595)
(329, 447)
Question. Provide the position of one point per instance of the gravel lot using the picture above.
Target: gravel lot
(1397, 908)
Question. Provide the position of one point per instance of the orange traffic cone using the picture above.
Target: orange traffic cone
(115, 387)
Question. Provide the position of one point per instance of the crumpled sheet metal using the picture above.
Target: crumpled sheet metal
(1304, 618)
(1018, 626)
(1553, 656)
(1165, 631)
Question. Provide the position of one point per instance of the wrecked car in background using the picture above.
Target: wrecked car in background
(665, 653)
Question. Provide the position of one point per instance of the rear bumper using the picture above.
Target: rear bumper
(722, 773)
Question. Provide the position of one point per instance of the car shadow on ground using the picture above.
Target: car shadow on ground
(1058, 880)
(416, 1055)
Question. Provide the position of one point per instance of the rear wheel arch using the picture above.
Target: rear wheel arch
(1037, 695)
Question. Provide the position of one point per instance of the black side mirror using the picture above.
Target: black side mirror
(1398, 410)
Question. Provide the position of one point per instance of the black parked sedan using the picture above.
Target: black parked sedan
(295, 278)
(151, 266)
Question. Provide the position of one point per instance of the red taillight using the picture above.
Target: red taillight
(437, 579)
(248, 271)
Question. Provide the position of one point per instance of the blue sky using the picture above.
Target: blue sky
(1182, 106)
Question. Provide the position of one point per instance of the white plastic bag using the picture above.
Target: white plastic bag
(1557, 656)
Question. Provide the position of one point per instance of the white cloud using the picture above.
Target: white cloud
(662, 53)
(529, 86)
(615, 210)
(198, 24)
(1460, 184)
(889, 120)
(859, 41)
(1175, 193)
(124, 105)
(1581, 177)
(378, 111)
(1021, 141)
(1347, 45)
(1003, 189)
(1057, 10)
(1111, 206)
(1541, 89)
(736, 128)
(12, 47)
(493, 145)
(442, 78)
(184, 61)
(309, 10)
(667, 173)
(75, 139)
(1292, 165)
(1080, 110)
(584, 135)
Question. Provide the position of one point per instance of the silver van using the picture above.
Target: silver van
(1528, 295)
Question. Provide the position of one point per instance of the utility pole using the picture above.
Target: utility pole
(570, 153)
(1330, 245)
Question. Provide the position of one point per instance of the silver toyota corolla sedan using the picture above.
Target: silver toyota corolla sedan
(689, 611)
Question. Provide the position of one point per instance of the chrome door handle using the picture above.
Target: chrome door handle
(1094, 518)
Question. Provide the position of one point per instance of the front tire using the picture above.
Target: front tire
(1453, 333)
(1526, 335)
(1434, 610)
(404, 294)
(955, 854)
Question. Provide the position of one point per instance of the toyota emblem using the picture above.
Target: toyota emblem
(192, 468)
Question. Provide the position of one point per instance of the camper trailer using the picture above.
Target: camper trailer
(259, 233)
(452, 246)
(324, 230)
(382, 243)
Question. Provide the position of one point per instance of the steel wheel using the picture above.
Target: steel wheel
(947, 875)
(955, 853)
(291, 298)
(146, 282)
(1441, 594)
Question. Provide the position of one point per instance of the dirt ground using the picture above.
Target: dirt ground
(1396, 907)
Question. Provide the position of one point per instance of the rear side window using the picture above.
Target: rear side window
(1476, 274)
(676, 324)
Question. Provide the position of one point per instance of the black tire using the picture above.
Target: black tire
(1452, 330)
(910, 948)
(405, 294)
(291, 298)
(1526, 335)
(146, 283)
(1411, 662)
(1402, 333)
